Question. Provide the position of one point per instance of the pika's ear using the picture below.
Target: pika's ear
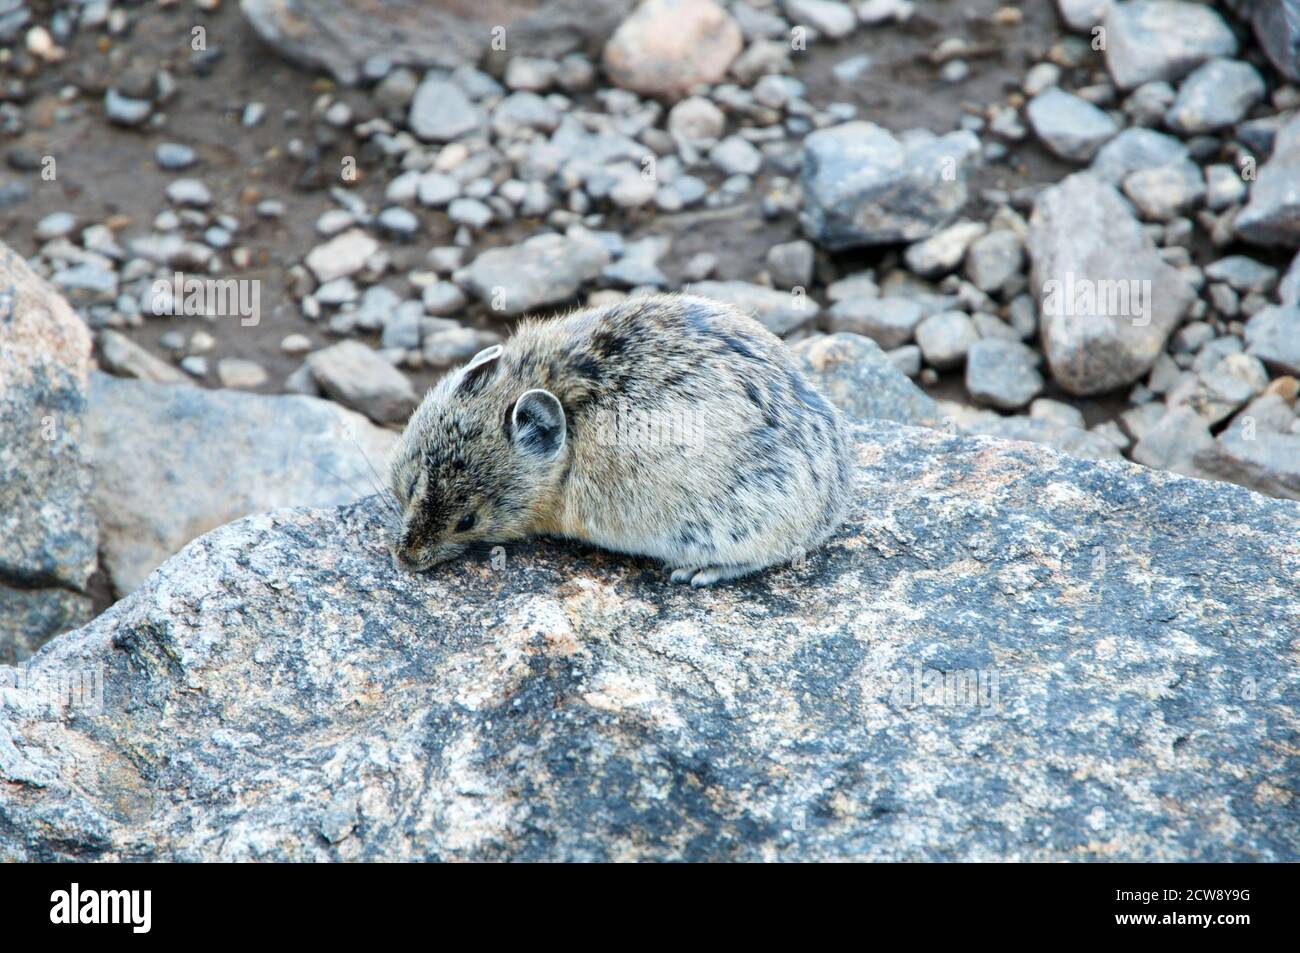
(478, 369)
(537, 424)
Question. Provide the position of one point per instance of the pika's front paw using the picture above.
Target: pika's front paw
(701, 576)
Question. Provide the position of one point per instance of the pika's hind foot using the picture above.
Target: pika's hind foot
(700, 576)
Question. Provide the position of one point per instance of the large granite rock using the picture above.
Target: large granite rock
(48, 536)
(1108, 301)
(1005, 654)
(863, 186)
(339, 36)
(172, 463)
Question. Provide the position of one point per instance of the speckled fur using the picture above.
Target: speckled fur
(756, 472)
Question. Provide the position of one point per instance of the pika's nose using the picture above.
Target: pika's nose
(403, 560)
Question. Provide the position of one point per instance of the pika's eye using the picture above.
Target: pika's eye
(466, 523)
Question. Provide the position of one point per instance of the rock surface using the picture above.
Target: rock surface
(339, 36)
(278, 691)
(1108, 301)
(172, 463)
(862, 186)
(48, 536)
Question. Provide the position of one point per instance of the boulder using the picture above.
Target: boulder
(542, 270)
(1004, 654)
(340, 36)
(48, 535)
(1108, 301)
(667, 47)
(862, 186)
(1162, 39)
(172, 463)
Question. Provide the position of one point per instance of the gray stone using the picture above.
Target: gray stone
(1002, 374)
(524, 110)
(1135, 149)
(174, 156)
(778, 311)
(48, 533)
(890, 322)
(994, 260)
(342, 255)
(55, 225)
(398, 222)
(830, 18)
(1162, 39)
(1277, 27)
(1174, 442)
(864, 381)
(443, 298)
(1057, 412)
(1068, 440)
(1164, 192)
(126, 110)
(456, 345)
(441, 112)
(357, 377)
(1083, 15)
(696, 120)
(1273, 336)
(1069, 126)
(436, 189)
(543, 270)
(190, 192)
(1288, 289)
(942, 252)
(1216, 95)
(122, 356)
(1108, 300)
(862, 186)
(411, 710)
(341, 36)
(172, 463)
(945, 338)
(402, 327)
(1243, 273)
(240, 373)
(1272, 216)
(791, 264)
(1224, 187)
(734, 156)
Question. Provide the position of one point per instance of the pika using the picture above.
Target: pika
(668, 426)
